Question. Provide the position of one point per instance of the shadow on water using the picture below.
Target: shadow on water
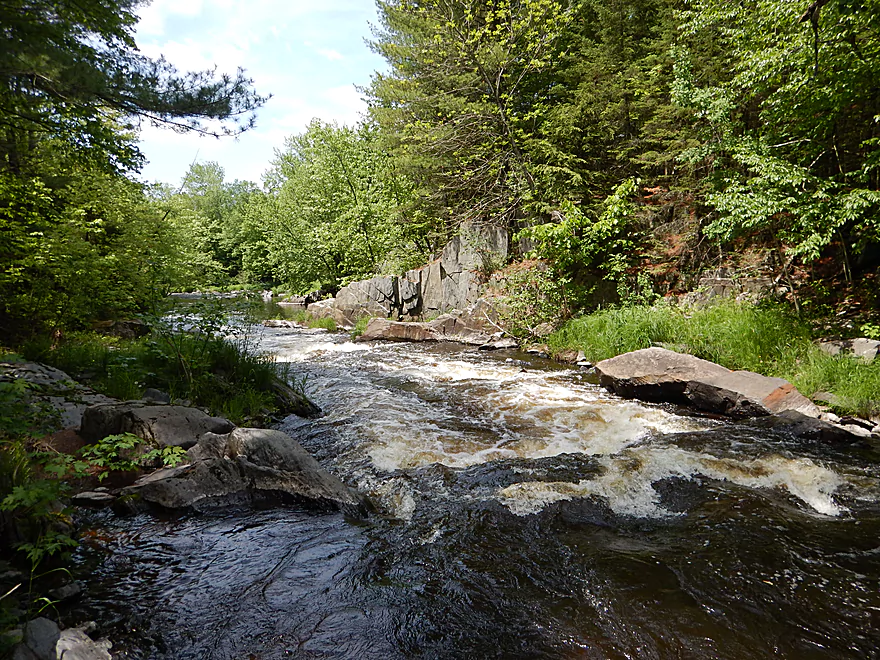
(639, 534)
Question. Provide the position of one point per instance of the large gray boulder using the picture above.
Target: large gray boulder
(244, 461)
(657, 374)
(159, 425)
(54, 390)
(387, 329)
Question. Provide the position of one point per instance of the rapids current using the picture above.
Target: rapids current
(522, 512)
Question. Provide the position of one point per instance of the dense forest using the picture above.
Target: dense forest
(728, 133)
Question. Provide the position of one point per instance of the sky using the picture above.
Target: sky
(308, 54)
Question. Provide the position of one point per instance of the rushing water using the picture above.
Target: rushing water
(522, 512)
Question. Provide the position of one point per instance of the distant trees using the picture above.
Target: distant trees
(335, 210)
(78, 239)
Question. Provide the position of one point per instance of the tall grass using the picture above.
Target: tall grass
(207, 371)
(766, 339)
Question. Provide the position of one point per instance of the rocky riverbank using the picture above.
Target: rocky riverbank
(222, 464)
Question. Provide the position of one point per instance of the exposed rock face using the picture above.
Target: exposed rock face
(473, 325)
(656, 374)
(866, 349)
(726, 283)
(161, 425)
(452, 282)
(55, 389)
(243, 461)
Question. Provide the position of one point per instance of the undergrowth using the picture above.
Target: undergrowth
(767, 339)
(206, 356)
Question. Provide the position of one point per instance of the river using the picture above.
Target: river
(521, 512)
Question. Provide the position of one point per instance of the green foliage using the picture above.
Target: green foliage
(332, 213)
(121, 452)
(738, 336)
(576, 243)
(533, 296)
(207, 354)
(360, 326)
(112, 453)
(325, 323)
(793, 133)
(467, 81)
(504, 109)
(65, 67)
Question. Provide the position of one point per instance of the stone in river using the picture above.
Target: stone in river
(657, 374)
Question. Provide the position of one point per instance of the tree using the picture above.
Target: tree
(333, 209)
(78, 239)
(70, 72)
(794, 136)
(466, 88)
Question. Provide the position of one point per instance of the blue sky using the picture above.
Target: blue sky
(309, 54)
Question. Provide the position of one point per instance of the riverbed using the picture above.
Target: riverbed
(521, 511)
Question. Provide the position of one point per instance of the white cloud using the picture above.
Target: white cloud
(331, 54)
(308, 55)
(154, 16)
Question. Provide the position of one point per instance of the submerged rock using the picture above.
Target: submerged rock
(243, 461)
(805, 427)
(656, 374)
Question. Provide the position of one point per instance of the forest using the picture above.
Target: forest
(744, 135)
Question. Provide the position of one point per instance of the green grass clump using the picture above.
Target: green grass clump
(360, 326)
(767, 339)
(230, 379)
(326, 323)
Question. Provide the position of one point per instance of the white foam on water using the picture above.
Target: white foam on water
(519, 417)
(628, 479)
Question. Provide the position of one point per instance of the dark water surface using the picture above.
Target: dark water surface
(523, 513)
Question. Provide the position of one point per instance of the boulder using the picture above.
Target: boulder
(244, 461)
(289, 401)
(161, 425)
(379, 328)
(862, 348)
(75, 644)
(91, 498)
(40, 636)
(53, 390)
(501, 343)
(472, 326)
(541, 350)
(68, 591)
(657, 374)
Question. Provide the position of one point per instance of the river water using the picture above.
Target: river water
(521, 512)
